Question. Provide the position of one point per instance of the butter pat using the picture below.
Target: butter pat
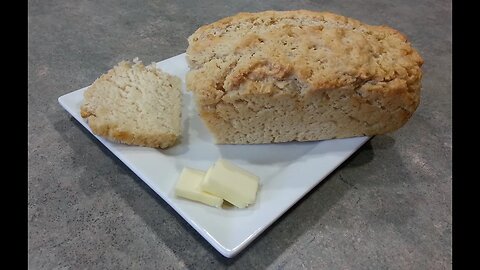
(188, 187)
(234, 184)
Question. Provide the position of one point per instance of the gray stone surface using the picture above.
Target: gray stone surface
(388, 207)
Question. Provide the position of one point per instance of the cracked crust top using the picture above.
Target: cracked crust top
(319, 50)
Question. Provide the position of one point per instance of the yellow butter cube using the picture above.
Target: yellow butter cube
(232, 183)
(188, 187)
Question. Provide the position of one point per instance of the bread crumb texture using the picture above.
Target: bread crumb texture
(135, 104)
(279, 76)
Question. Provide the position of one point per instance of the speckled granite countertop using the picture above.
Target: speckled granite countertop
(387, 207)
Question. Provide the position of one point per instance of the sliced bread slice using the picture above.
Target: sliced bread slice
(136, 105)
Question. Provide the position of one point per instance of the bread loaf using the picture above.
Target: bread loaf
(279, 76)
(136, 105)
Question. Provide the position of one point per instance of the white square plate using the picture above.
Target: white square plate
(287, 170)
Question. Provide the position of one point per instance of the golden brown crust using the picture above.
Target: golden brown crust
(306, 55)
